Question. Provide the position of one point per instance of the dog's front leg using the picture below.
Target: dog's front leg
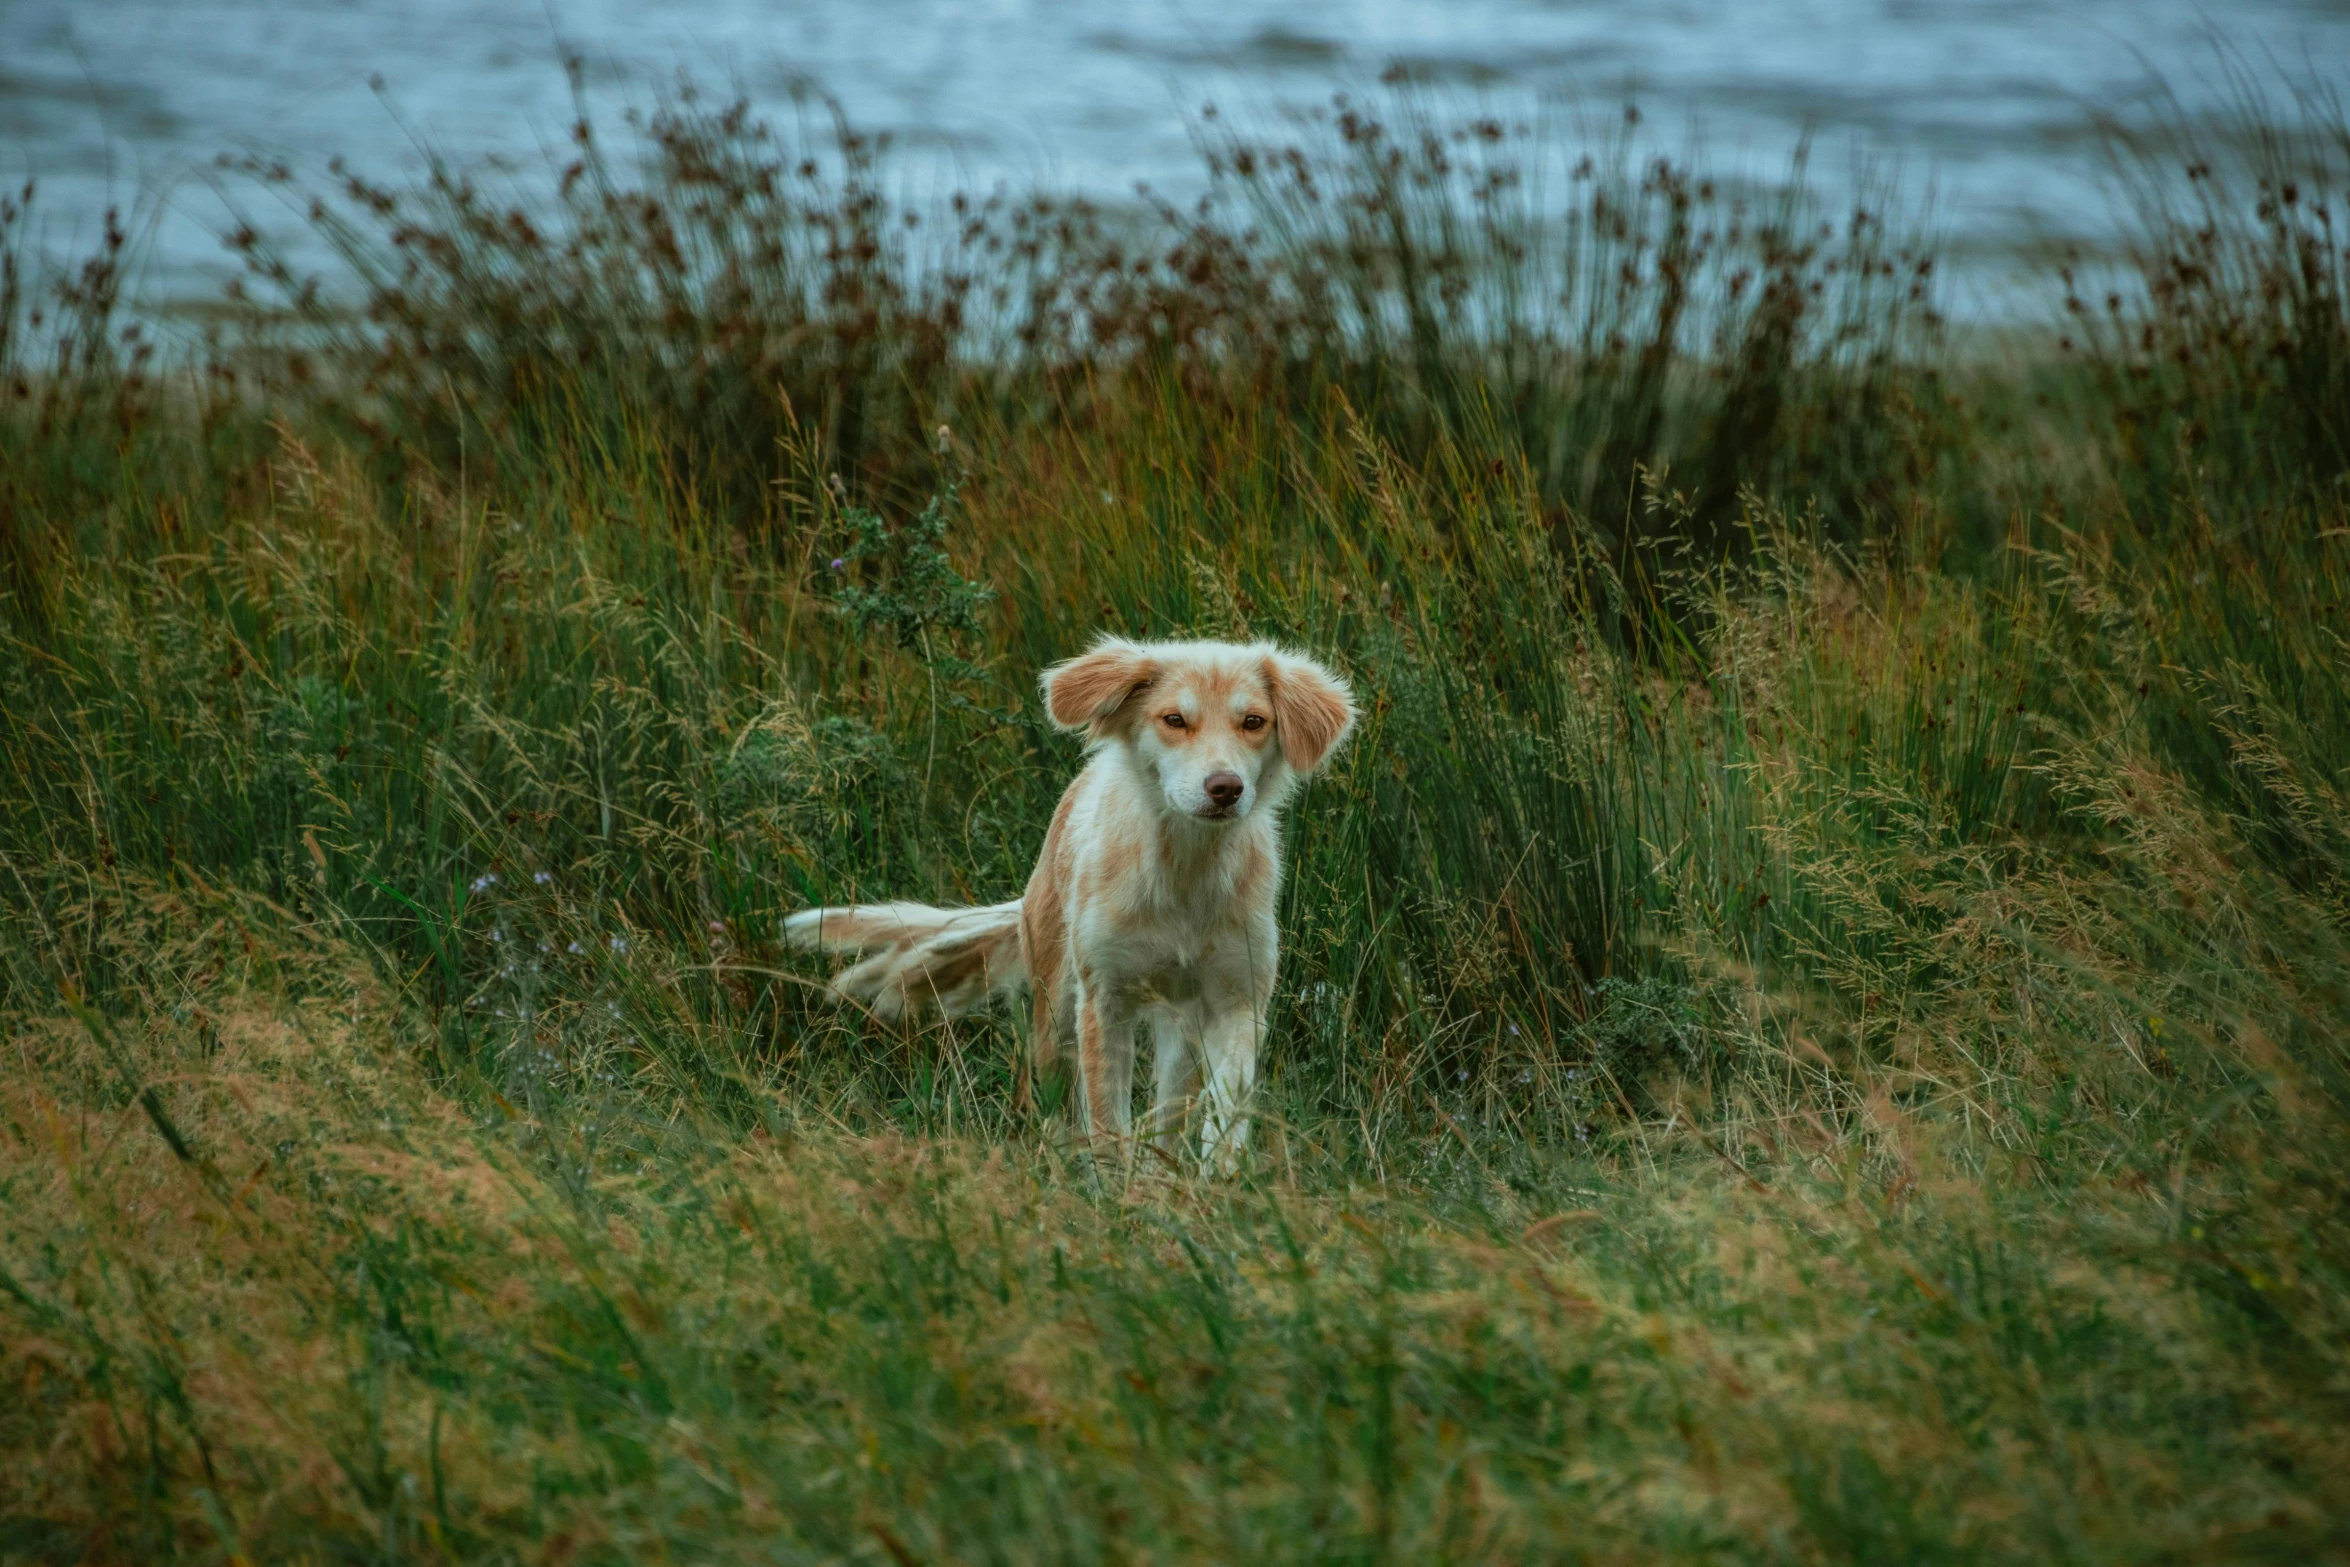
(1230, 1048)
(1175, 1065)
(1105, 1058)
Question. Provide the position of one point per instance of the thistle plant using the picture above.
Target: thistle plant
(913, 593)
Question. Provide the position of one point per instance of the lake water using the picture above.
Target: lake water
(1991, 102)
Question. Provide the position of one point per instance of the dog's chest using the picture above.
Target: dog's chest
(1187, 971)
(1171, 913)
(1172, 942)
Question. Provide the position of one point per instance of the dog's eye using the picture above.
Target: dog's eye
(1254, 721)
(1173, 720)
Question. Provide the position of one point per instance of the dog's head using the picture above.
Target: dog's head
(1222, 728)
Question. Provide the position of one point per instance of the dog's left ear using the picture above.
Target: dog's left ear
(1313, 712)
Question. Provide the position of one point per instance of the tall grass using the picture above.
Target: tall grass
(1812, 1017)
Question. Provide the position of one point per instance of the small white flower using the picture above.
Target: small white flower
(543, 877)
(619, 943)
(575, 948)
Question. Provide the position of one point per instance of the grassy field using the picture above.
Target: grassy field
(1815, 1022)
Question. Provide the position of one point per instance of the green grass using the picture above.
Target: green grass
(1813, 1014)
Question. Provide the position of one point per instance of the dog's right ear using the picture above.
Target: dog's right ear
(1089, 691)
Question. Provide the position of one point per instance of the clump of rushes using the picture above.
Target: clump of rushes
(699, 300)
(1814, 1021)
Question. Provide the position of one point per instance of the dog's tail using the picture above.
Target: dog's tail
(915, 956)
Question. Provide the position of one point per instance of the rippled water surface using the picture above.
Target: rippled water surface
(1989, 102)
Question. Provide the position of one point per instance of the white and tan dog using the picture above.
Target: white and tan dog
(1154, 897)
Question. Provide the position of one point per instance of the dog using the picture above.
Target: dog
(1153, 899)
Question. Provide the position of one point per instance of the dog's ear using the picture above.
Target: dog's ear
(1089, 691)
(1313, 712)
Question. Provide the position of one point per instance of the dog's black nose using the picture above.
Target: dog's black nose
(1224, 789)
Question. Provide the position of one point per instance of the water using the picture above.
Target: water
(1992, 103)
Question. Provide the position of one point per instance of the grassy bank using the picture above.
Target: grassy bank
(1812, 1025)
